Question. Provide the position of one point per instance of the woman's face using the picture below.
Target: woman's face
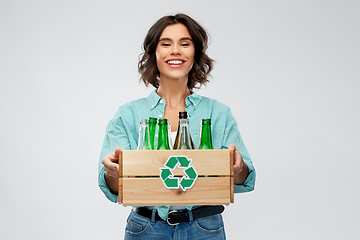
(175, 52)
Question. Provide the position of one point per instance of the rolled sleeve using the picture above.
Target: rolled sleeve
(249, 183)
(116, 136)
(232, 136)
(105, 187)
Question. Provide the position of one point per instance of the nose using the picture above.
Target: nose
(175, 50)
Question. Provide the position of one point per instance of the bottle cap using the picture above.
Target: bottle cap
(182, 115)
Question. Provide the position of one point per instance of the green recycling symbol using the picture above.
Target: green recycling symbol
(171, 182)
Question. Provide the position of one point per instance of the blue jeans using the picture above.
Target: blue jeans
(207, 228)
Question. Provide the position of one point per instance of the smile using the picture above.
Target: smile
(175, 62)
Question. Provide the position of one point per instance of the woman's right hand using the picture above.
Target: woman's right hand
(111, 168)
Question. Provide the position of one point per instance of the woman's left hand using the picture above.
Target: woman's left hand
(240, 168)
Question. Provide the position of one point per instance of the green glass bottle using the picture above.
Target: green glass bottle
(163, 136)
(205, 137)
(152, 131)
(143, 143)
(183, 138)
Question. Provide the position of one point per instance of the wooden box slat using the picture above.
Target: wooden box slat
(120, 191)
(146, 163)
(232, 178)
(151, 191)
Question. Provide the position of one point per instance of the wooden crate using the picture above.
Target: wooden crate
(140, 183)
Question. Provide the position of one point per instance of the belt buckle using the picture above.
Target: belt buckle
(167, 218)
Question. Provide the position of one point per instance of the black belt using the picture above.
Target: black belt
(175, 217)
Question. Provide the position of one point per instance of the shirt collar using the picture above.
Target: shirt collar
(154, 99)
(194, 99)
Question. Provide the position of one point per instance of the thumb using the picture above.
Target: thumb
(115, 155)
(117, 152)
(232, 148)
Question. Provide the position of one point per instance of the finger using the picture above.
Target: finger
(109, 163)
(111, 171)
(114, 160)
(111, 166)
(113, 174)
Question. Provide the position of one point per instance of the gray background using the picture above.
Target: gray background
(289, 70)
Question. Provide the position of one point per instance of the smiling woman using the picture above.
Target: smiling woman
(174, 62)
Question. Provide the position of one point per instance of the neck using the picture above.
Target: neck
(174, 92)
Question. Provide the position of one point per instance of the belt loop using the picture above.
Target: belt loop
(190, 215)
(153, 216)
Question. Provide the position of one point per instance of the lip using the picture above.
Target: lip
(175, 65)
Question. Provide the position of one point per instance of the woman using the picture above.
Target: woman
(174, 62)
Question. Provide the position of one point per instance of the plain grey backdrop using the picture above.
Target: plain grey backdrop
(289, 70)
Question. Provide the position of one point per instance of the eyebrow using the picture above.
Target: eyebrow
(181, 39)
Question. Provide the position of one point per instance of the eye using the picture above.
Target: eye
(165, 44)
(185, 44)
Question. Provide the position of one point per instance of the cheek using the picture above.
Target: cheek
(160, 55)
(192, 61)
(158, 58)
(191, 56)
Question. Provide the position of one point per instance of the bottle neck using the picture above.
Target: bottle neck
(143, 143)
(205, 138)
(183, 138)
(152, 131)
(163, 137)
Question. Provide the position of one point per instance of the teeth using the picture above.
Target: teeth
(175, 62)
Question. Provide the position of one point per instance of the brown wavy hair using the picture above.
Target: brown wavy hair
(202, 66)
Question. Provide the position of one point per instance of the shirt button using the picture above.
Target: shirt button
(152, 106)
(161, 101)
(194, 104)
(160, 116)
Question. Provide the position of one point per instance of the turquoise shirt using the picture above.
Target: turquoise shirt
(123, 131)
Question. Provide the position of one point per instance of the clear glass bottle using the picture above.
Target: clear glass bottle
(163, 135)
(169, 134)
(143, 143)
(205, 135)
(183, 138)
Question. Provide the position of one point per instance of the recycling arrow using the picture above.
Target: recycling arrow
(167, 177)
(165, 173)
(184, 161)
(171, 162)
